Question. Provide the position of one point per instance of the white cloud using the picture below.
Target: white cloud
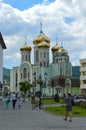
(16, 24)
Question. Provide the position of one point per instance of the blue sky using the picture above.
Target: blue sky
(64, 19)
(24, 4)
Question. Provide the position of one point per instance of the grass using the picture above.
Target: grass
(48, 101)
(51, 101)
(60, 110)
(76, 90)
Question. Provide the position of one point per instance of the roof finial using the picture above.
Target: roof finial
(61, 44)
(41, 27)
(56, 41)
(25, 40)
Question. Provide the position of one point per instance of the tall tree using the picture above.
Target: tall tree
(25, 87)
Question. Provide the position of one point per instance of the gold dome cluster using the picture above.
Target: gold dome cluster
(58, 48)
(62, 50)
(41, 37)
(43, 44)
(25, 47)
(55, 48)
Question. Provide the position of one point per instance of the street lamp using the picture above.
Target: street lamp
(45, 74)
(34, 82)
(40, 82)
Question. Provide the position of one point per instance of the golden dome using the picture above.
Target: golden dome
(55, 48)
(25, 47)
(43, 44)
(62, 50)
(41, 37)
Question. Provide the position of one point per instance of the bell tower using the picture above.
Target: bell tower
(41, 49)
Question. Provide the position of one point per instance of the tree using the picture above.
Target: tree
(25, 87)
(61, 82)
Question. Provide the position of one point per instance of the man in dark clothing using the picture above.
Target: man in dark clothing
(68, 101)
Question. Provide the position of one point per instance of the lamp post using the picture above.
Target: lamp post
(34, 83)
(40, 82)
(45, 74)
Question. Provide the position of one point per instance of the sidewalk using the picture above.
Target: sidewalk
(28, 119)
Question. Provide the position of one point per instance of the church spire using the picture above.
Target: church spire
(61, 44)
(25, 40)
(41, 27)
(56, 41)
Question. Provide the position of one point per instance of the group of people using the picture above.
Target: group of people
(13, 97)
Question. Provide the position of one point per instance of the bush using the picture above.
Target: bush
(56, 98)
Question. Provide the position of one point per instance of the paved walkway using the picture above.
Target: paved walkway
(28, 119)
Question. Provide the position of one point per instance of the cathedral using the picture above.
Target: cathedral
(41, 69)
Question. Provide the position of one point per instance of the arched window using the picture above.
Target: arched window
(21, 75)
(24, 73)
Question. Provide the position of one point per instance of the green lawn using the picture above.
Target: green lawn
(48, 101)
(60, 110)
(51, 101)
(76, 90)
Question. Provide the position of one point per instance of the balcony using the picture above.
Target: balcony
(83, 77)
(82, 69)
(82, 86)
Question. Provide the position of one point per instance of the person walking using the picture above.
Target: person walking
(68, 101)
(19, 102)
(33, 102)
(14, 99)
(7, 101)
(40, 103)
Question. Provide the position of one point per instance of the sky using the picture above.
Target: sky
(64, 19)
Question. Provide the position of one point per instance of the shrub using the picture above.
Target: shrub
(56, 98)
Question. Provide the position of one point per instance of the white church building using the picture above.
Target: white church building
(2, 46)
(42, 69)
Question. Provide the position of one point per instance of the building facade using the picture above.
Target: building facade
(42, 69)
(83, 76)
(2, 46)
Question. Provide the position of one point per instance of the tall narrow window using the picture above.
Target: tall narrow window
(26, 57)
(44, 55)
(36, 56)
(25, 73)
(40, 55)
(21, 75)
(22, 57)
(28, 74)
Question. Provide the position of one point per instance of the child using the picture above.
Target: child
(19, 103)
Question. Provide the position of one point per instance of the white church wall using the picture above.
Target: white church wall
(1, 64)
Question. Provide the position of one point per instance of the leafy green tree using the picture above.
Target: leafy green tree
(25, 87)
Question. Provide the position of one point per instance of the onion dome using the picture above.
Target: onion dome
(62, 50)
(41, 37)
(25, 47)
(43, 44)
(55, 48)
